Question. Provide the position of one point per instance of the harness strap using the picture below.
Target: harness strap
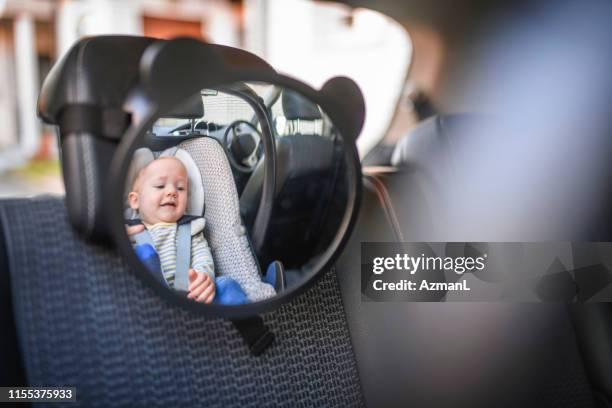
(183, 253)
(143, 237)
(183, 257)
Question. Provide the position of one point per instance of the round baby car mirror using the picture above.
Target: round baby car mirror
(232, 190)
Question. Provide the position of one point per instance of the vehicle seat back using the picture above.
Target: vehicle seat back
(473, 354)
(86, 320)
(11, 364)
(302, 116)
(438, 354)
(309, 185)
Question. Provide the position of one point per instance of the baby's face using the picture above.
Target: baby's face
(160, 193)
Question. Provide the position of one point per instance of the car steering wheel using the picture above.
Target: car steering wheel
(243, 147)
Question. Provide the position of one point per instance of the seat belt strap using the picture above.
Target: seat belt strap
(183, 257)
(143, 237)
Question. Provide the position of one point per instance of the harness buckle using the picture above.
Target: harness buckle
(255, 334)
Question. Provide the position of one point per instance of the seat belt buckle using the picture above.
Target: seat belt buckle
(255, 333)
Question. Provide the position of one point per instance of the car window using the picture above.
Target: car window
(220, 109)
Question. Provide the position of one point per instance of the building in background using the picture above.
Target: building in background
(35, 33)
(309, 40)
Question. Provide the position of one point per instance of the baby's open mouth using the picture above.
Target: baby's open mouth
(168, 204)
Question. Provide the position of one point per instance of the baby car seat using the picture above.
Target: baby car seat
(212, 194)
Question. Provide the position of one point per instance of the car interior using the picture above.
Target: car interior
(74, 312)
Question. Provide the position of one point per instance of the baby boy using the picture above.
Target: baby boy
(160, 195)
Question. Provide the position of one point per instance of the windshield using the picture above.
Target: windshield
(215, 109)
(220, 108)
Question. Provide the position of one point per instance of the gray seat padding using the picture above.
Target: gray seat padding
(225, 231)
(85, 320)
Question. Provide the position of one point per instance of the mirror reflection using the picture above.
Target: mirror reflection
(195, 193)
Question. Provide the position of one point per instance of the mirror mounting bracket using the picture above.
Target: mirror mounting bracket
(255, 334)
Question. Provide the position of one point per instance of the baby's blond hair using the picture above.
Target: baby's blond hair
(138, 179)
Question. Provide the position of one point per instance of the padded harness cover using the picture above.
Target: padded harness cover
(85, 320)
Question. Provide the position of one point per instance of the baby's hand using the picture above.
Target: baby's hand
(201, 287)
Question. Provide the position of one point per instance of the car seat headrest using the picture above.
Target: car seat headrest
(83, 76)
(192, 108)
(144, 156)
(85, 95)
(434, 137)
(295, 106)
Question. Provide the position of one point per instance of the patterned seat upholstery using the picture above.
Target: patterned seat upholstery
(85, 320)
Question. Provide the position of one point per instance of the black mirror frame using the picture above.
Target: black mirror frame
(158, 90)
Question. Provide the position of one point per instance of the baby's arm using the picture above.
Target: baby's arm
(202, 272)
(201, 257)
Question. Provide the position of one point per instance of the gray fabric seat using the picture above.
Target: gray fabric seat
(85, 320)
(430, 354)
(225, 231)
